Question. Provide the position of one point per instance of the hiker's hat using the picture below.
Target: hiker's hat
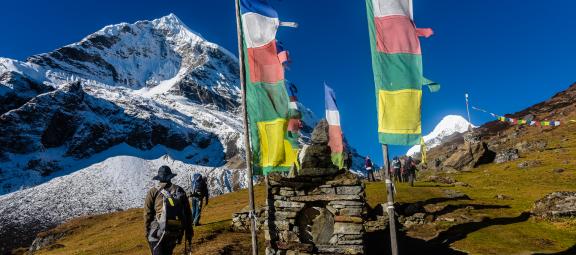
(164, 174)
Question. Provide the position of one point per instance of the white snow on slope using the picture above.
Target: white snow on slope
(117, 183)
(449, 125)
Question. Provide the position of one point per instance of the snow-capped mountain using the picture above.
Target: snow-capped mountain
(144, 84)
(85, 127)
(448, 126)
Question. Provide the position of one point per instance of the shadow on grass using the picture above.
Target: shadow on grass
(570, 251)
(379, 241)
(459, 232)
(408, 209)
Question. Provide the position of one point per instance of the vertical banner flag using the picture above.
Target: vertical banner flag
(295, 121)
(334, 129)
(397, 66)
(266, 96)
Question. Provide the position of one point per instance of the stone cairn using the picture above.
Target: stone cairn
(320, 211)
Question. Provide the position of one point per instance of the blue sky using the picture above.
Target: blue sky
(507, 54)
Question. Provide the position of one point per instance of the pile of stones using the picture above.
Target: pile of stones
(556, 205)
(315, 215)
(318, 211)
(241, 220)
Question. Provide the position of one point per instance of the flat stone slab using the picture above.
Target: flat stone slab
(348, 228)
(349, 190)
(324, 197)
(288, 204)
(295, 246)
(341, 249)
(349, 219)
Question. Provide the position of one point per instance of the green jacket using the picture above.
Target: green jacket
(153, 208)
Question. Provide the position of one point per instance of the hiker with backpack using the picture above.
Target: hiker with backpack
(198, 193)
(395, 169)
(369, 169)
(167, 214)
(410, 168)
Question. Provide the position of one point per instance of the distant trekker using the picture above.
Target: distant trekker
(369, 169)
(395, 171)
(167, 214)
(348, 160)
(410, 168)
(198, 193)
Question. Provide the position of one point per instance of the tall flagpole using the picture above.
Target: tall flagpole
(468, 111)
(390, 205)
(246, 132)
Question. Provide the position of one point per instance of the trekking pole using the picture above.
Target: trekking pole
(186, 248)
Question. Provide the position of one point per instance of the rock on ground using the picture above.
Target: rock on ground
(469, 156)
(506, 155)
(556, 205)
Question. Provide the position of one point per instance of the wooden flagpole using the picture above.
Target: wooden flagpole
(246, 131)
(390, 205)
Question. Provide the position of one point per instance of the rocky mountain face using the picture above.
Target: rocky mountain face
(501, 142)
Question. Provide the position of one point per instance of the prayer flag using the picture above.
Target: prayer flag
(397, 66)
(295, 123)
(334, 130)
(266, 97)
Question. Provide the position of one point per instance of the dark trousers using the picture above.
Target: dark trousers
(395, 175)
(164, 248)
(371, 175)
(412, 177)
(196, 210)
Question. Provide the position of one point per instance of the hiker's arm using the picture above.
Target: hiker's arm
(149, 212)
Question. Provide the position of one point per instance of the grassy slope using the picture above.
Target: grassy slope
(122, 232)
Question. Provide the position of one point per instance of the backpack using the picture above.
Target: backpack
(368, 163)
(198, 185)
(409, 164)
(170, 223)
(396, 164)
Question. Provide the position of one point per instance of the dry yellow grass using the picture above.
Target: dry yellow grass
(123, 232)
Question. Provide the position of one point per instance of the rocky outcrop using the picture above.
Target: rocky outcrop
(16, 90)
(470, 155)
(87, 125)
(241, 220)
(440, 179)
(506, 155)
(529, 164)
(556, 205)
(44, 240)
(530, 146)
